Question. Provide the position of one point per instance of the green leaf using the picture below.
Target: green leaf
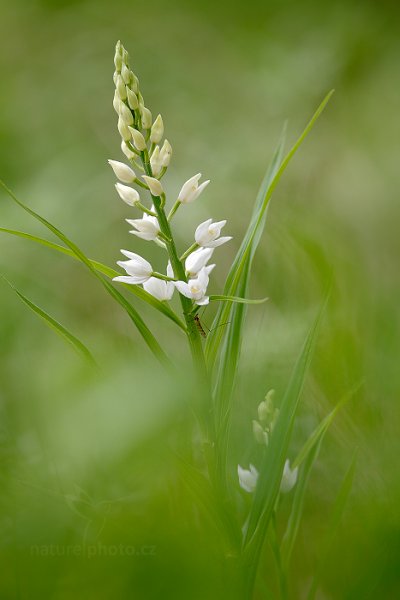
(118, 297)
(53, 324)
(216, 297)
(338, 509)
(105, 270)
(274, 459)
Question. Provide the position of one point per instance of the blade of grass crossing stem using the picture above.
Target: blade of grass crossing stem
(274, 459)
(118, 297)
(108, 272)
(53, 324)
(256, 227)
(338, 509)
(307, 455)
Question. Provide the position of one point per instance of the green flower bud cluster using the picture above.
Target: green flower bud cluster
(267, 416)
(135, 122)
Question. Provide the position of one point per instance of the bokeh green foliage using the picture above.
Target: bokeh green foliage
(99, 457)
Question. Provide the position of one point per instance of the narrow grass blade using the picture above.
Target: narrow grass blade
(338, 509)
(274, 459)
(216, 297)
(105, 270)
(118, 297)
(53, 324)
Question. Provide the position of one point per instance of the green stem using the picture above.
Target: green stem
(192, 248)
(174, 209)
(163, 277)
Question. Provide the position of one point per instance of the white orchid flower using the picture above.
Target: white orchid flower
(197, 260)
(191, 189)
(155, 187)
(128, 194)
(138, 269)
(248, 478)
(195, 289)
(289, 478)
(147, 228)
(155, 162)
(165, 153)
(122, 171)
(162, 290)
(207, 234)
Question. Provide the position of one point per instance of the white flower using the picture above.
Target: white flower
(162, 290)
(124, 130)
(146, 117)
(132, 99)
(197, 260)
(127, 151)
(157, 130)
(122, 171)
(191, 189)
(207, 234)
(248, 478)
(125, 113)
(128, 194)
(260, 435)
(138, 269)
(196, 288)
(289, 478)
(154, 185)
(147, 227)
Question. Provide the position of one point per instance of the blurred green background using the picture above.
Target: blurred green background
(94, 459)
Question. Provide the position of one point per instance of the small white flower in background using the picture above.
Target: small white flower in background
(122, 171)
(162, 290)
(191, 189)
(248, 478)
(289, 478)
(157, 130)
(147, 228)
(197, 260)
(196, 288)
(155, 186)
(207, 234)
(139, 270)
(127, 194)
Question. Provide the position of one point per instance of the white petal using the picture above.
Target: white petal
(203, 301)
(201, 233)
(197, 193)
(122, 171)
(156, 287)
(128, 279)
(128, 194)
(248, 478)
(188, 187)
(219, 242)
(289, 478)
(183, 288)
(144, 235)
(197, 259)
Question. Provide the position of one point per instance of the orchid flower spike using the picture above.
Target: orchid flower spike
(207, 234)
(191, 189)
(289, 478)
(162, 290)
(195, 289)
(197, 260)
(248, 478)
(147, 228)
(137, 268)
(127, 194)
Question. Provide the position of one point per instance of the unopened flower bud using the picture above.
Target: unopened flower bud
(126, 74)
(155, 162)
(127, 151)
(127, 194)
(125, 57)
(120, 87)
(126, 114)
(155, 186)
(146, 117)
(132, 99)
(116, 102)
(260, 435)
(134, 85)
(165, 154)
(157, 130)
(118, 56)
(138, 139)
(289, 478)
(122, 171)
(124, 130)
(266, 408)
